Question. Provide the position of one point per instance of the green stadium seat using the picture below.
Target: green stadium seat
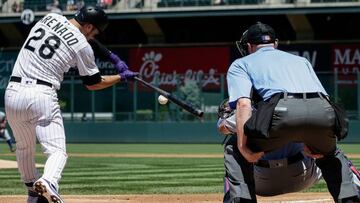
(63, 4)
(234, 2)
(204, 2)
(253, 1)
(161, 4)
(39, 5)
(90, 2)
(177, 3)
(170, 3)
(190, 3)
(242, 2)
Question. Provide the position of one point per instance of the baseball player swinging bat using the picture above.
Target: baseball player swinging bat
(106, 54)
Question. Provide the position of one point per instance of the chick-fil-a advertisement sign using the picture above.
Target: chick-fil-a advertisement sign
(346, 61)
(171, 66)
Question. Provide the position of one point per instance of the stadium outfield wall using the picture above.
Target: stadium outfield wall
(157, 132)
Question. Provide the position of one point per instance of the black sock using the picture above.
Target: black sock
(29, 184)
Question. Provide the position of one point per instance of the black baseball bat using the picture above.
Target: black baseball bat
(188, 107)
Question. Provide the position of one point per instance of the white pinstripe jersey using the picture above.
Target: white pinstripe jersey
(52, 47)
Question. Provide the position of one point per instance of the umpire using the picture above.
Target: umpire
(293, 107)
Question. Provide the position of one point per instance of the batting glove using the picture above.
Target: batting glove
(128, 75)
(118, 63)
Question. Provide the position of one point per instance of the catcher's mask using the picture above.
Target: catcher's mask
(224, 110)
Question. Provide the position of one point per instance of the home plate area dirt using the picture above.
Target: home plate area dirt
(188, 198)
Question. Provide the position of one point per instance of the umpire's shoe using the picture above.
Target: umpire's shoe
(33, 197)
(45, 188)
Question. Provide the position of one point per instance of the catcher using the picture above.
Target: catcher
(4, 133)
(289, 166)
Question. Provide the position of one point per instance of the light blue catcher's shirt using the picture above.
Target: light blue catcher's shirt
(270, 71)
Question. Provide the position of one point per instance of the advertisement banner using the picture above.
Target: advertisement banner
(168, 67)
(7, 61)
(345, 60)
(316, 53)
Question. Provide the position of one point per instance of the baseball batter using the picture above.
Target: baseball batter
(4, 133)
(53, 46)
(287, 166)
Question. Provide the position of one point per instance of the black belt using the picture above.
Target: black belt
(39, 82)
(290, 160)
(307, 95)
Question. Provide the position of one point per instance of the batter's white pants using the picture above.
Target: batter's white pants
(33, 112)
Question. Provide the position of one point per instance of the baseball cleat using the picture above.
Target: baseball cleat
(47, 190)
(33, 197)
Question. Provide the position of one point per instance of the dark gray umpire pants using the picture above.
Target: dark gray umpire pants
(311, 121)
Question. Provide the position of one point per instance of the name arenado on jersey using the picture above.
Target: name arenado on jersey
(60, 29)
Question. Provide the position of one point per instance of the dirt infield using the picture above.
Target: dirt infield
(140, 155)
(153, 155)
(188, 198)
(12, 164)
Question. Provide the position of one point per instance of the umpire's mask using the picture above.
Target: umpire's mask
(242, 45)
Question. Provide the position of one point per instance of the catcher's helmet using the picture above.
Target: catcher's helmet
(94, 15)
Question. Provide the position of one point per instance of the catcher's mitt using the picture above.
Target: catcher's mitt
(224, 110)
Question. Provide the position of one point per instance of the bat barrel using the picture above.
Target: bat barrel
(188, 107)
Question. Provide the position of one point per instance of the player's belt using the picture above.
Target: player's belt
(307, 95)
(39, 82)
(281, 162)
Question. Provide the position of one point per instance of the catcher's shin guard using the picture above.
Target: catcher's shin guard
(355, 172)
(226, 198)
(356, 175)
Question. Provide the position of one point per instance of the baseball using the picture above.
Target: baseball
(162, 100)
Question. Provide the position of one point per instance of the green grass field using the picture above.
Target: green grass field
(138, 175)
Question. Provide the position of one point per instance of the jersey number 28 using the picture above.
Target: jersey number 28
(46, 46)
